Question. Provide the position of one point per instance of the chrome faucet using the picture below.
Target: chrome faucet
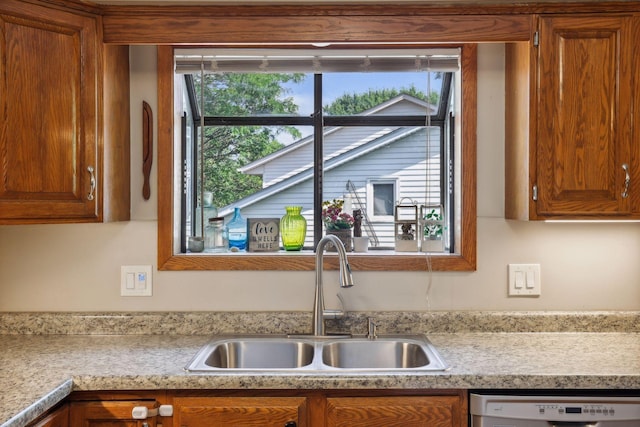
(346, 281)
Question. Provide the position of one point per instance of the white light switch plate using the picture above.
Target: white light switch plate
(524, 280)
(136, 281)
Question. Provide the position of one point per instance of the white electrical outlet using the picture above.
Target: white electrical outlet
(135, 281)
(524, 280)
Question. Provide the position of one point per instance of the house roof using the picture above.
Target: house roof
(256, 167)
(350, 155)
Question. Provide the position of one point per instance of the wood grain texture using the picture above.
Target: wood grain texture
(240, 411)
(312, 408)
(64, 107)
(580, 131)
(210, 26)
(517, 130)
(116, 145)
(49, 115)
(583, 123)
(434, 21)
(635, 124)
(109, 413)
(409, 411)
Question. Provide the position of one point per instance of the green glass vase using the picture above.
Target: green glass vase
(293, 229)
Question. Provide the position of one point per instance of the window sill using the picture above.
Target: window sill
(376, 260)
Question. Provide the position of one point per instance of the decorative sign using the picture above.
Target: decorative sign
(263, 234)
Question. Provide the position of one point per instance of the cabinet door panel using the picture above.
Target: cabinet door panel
(48, 104)
(108, 414)
(431, 411)
(239, 411)
(584, 115)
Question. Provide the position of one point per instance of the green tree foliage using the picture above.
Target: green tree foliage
(228, 148)
(356, 103)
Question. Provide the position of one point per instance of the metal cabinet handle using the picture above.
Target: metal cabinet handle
(290, 424)
(627, 181)
(92, 181)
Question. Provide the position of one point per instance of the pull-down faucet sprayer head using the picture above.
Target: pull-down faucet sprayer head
(346, 278)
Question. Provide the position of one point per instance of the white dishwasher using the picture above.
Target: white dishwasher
(553, 411)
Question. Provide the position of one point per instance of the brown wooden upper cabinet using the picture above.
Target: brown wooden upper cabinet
(64, 118)
(570, 149)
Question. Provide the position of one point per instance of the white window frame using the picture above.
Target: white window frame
(371, 182)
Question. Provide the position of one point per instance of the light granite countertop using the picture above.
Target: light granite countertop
(38, 369)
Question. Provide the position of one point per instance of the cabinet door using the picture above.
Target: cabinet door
(239, 411)
(584, 115)
(109, 414)
(48, 114)
(57, 418)
(406, 411)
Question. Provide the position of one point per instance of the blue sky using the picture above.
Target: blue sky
(337, 84)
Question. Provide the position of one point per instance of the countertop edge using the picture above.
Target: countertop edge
(41, 406)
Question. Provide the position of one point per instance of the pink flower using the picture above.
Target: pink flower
(333, 217)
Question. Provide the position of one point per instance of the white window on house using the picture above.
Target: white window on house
(382, 194)
(268, 128)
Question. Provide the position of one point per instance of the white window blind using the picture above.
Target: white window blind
(190, 61)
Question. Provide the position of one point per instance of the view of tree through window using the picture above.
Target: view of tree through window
(385, 137)
(227, 149)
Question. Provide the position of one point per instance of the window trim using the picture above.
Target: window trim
(167, 260)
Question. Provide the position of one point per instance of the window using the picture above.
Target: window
(259, 141)
(284, 179)
(383, 194)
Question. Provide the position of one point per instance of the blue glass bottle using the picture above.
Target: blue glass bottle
(237, 231)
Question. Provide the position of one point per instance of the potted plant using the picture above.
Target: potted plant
(337, 222)
(432, 231)
(405, 220)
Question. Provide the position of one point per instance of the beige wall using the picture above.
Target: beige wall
(77, 267)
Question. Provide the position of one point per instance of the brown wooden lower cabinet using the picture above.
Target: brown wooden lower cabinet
(240, 411)
(58, 417)
(266, 408)
(405, 411)
(339, 408)
(109, 414)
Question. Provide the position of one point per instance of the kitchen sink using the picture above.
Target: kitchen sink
(256, 353)
(375, 354)
(281, 353)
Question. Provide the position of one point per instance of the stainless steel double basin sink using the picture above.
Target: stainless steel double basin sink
(282, 353)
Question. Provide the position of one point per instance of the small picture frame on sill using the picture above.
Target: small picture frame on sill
(263, 234)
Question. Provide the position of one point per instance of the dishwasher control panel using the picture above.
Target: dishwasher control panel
(561, 410)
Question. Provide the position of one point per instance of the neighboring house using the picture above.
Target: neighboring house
(384, 165)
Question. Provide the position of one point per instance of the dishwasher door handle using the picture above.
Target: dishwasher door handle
(572, 424)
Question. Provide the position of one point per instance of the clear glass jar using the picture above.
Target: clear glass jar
(215, 239)
(293, 229)
(237, 231)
